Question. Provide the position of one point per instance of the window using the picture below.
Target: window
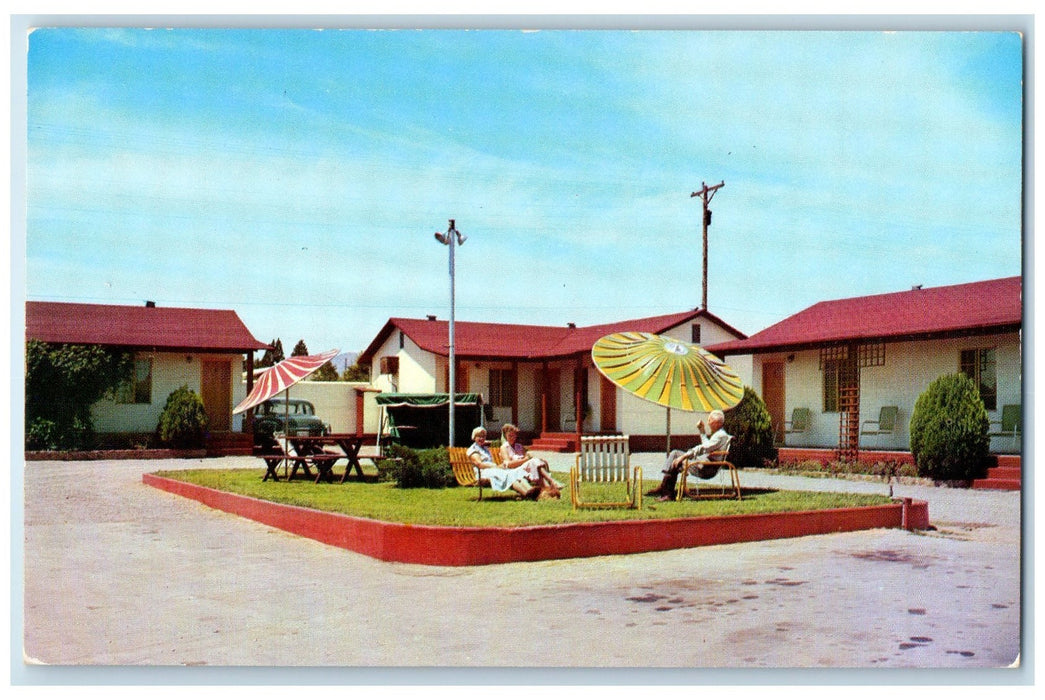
(832, 371)
(502, 387)
(138, 387)
(980, 366)
(694, 333)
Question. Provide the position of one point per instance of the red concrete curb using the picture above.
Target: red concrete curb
(469, 546)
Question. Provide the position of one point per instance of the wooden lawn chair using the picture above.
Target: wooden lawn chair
(605, 459)
(717, 462)
(464, 469)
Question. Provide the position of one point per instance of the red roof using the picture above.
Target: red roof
(517, 341)
(138, 326)
(981, 307)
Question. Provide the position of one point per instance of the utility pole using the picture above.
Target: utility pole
(706, 193)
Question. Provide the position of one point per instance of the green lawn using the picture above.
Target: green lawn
(459, 506)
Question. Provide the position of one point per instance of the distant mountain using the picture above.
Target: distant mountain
(345, 360)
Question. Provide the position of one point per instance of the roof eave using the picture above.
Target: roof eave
(895, 338)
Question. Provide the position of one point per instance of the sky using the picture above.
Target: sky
(297, 176)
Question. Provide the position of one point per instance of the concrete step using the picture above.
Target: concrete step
(990, 484)
(555, 442)
(229, 444)
(1004, 473)
(1007, 461)
(550, 446)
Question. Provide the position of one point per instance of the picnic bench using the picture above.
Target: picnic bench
(306, 451)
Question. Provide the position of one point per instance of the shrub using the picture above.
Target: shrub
(410, 468)
(47, 434)
(752, 431)
(183, 423)
(62, 382)
(949, 429)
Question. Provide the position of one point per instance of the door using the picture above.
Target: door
(773, 395)
(216, 392)
(460, 377)
(549, 406)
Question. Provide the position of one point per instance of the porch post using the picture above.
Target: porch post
(248, 417)
(578, 406)
(359, 411)
(544, 396)
(849, 406)
(515, 394)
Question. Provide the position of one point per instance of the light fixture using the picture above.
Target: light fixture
(448, 239)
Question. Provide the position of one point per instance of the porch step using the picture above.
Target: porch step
(991, 484)
(1006, 476)
(229, 444)
(1008, 461)
(555, 442)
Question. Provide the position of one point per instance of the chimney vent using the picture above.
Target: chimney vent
(431, 317)
(150, 305)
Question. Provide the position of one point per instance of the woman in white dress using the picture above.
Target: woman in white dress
(501, 479)
(513, 455)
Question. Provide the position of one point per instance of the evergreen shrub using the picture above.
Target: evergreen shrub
(752, 432)
(183, 423)
(949, 430)
(412, 468)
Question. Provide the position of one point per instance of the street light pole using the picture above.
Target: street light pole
(451, 238)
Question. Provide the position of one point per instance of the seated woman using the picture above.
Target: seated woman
(500, 479)
(515, 455)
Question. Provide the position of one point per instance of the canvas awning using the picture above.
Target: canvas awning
(422, 420)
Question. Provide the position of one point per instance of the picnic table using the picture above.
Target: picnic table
(319, 451)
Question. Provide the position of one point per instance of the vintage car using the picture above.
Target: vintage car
(288, 416)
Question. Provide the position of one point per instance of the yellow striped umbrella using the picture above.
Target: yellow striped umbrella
(667, 372)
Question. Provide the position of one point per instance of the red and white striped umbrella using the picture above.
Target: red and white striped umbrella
(282, 376)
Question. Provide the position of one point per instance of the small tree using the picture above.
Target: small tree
(183, 423)
(752, 430)
(300, 350)
(356, 373)
(326, 373)
(273, 355)
(949, 429)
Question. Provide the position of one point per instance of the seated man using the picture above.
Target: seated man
(715, 441)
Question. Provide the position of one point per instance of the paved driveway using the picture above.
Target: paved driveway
(118, 573)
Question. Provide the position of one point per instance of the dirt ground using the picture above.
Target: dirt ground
(119, 574)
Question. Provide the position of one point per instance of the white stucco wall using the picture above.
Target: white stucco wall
(908, 370)
(417, 369)
(170, 371)
(335, 403)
